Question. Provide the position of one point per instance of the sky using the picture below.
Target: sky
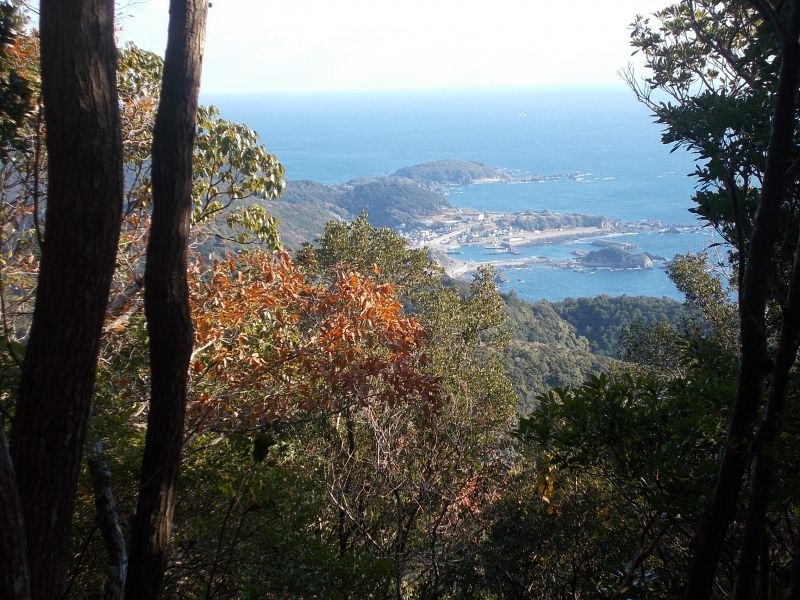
(257, 46)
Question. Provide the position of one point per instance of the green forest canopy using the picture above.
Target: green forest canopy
(356, 426)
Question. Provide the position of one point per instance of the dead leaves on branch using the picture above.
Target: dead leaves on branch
(272, 342)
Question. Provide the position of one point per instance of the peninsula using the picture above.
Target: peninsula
(413, 201)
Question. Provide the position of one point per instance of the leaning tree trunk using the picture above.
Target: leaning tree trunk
(754, 364)
(167, 296)
(84, 206)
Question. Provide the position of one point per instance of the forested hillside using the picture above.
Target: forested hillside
(448, 172)
(545, 351)
(389, 202)
(190, 410)
(603, 319)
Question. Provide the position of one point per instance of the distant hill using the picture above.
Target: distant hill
(601, 319)
(303, 210)
(545, 350)
(391, 201)
(448, 171)
(303, 190)
(306, 206)
(405, 198)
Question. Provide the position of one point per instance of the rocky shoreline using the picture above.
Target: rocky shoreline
(444, 243)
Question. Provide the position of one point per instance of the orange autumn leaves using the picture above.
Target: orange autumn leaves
(270, 342)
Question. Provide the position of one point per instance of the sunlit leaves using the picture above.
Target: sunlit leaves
(19, 80)
(139, 86)
(710, 79)
(230, 165)
(254, 222)
(272, 342)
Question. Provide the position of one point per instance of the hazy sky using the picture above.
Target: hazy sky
(296, 45)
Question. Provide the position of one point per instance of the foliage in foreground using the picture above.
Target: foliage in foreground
(350, 415)
(350, 443)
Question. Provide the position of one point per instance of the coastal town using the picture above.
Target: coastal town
(502, 235)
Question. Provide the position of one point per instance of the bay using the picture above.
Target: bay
(604, 144)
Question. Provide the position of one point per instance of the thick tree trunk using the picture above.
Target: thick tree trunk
(167, 296)
(84, 206)
(753, 298)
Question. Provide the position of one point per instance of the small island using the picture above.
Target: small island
(450, 172)
(615, 257)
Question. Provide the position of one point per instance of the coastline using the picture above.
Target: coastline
(505, 235)
(460, 268)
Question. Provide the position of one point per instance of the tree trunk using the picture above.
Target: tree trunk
(763, 466)
(765, 581)
(110, 524)
(14, 579)
(794, 581)
(167, 296)
(84, 206)
(754, 362)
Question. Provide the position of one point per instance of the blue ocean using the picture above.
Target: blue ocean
(605, 135)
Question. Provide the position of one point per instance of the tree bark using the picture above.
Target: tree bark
(765, 581)
(794, 581)
(14, 578)
(754, 362)
(167, 296)
(84, 207)
(110, 524)
(763, 465)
